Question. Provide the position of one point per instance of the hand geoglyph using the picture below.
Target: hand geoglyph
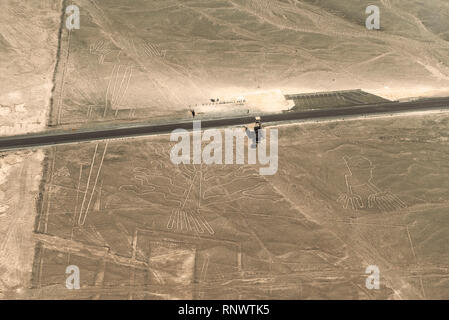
(361, 192)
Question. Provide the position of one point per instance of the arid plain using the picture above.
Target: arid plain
(347, 194)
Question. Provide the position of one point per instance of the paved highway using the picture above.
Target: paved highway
(54, 137)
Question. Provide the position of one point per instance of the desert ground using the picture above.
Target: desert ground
(140, 227)
(132, 58)
(347, 194)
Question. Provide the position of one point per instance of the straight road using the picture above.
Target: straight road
(53, 137)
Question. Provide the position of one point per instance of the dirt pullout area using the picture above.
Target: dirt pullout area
(20, 175)
(28, 42)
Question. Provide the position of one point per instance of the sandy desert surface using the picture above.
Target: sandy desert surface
(141, 227)
(347, 194)
(131, 59)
